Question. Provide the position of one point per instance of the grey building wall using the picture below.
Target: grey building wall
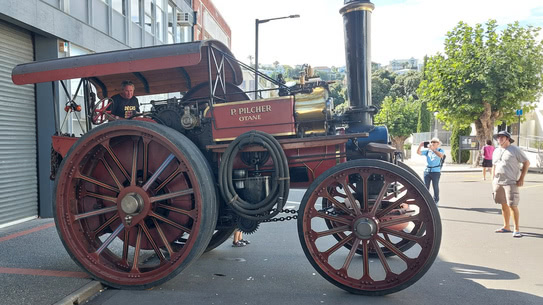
(90, 24)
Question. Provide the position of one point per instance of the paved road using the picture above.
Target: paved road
(475, 265)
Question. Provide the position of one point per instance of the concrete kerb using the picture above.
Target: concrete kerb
(83, 294)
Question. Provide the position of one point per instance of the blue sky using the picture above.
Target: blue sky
(400, 28)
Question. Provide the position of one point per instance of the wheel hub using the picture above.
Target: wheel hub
(132, 203)
(365, 228)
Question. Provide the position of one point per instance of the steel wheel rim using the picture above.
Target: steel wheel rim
(364, 281)
(170, 206)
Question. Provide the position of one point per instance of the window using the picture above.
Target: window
(119, 6)
(171, 20)
(148, 8)
(159, 18)
(135, 11)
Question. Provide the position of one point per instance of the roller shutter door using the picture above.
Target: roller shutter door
(18, 147)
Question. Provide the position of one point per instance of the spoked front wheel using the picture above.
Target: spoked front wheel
(373, 208)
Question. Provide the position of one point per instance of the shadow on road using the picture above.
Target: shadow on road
(480, 210)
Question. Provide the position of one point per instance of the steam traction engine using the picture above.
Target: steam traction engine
(138, 200)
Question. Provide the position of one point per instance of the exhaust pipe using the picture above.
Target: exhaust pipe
(357, 24)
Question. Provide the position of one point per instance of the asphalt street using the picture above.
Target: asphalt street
(474, 266)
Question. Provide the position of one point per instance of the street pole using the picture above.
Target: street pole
(256, 57)
(257, 22)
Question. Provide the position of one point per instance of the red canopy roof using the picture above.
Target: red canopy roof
(153, 70)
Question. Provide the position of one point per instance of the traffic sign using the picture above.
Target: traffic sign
(519, 112)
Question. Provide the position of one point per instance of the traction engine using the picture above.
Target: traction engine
(137, 200)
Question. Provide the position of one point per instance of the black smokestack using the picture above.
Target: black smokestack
(357, 23)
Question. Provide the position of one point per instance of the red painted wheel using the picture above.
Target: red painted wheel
(378, 189)
(135, 203)
(100, 114)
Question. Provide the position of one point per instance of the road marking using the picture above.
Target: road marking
(22, 233)
(43, 272)
(293, 202)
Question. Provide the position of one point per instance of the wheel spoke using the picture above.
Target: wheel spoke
(334, 218)
(95, 212)
(152, 241)
(170, 222)
(137, 248)
(145, 158)
(163, 237)
(350, 196)
(339, 205)
(96, 182)
(338, 245)
(401, 234)
(134, 163)
(399, 220)
(191, 213)
(392, 206)
(364, 206)
(105, 224)
(168, 180)
(112, 174)
(349, 257)
(100, 196)
(171, 195)
(365, 260)
(159, 171)
(332, 231)
(116, 160)
(393, 248)
(382, 257)
(111, 237)
(126, 243)
(377, 203)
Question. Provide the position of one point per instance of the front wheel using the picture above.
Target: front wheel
(353, 208)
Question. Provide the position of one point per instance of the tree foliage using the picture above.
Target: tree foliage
(385, 83)
(458, 131)
(400, 117)
(484, 75)
(337, 92)
(424, 118)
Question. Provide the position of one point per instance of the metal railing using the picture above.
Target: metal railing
(531, 143)
(443, 135)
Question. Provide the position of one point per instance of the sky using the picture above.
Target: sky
(401, 29)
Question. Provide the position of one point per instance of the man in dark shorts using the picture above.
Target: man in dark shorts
(125, 104)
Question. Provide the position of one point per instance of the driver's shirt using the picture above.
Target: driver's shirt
(124, 108)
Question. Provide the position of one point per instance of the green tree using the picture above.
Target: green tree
(458, 131)
(337, 92)
(399, 115)
(425, 117)
(484, 75)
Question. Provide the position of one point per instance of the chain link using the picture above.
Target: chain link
(282, 218)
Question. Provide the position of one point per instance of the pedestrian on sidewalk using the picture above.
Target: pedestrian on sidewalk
(507, 178)
(487, 152)
(434, 158)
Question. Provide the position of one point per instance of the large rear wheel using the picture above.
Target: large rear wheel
(373, 208)
(135, 203)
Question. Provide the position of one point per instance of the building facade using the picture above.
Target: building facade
(47, 29)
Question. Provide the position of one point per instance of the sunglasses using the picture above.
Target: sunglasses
(434, 142)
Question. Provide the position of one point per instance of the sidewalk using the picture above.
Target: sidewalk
(418, 163)
(36, 269)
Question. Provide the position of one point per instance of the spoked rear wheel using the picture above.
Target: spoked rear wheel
(360, 216)
(135, 203)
